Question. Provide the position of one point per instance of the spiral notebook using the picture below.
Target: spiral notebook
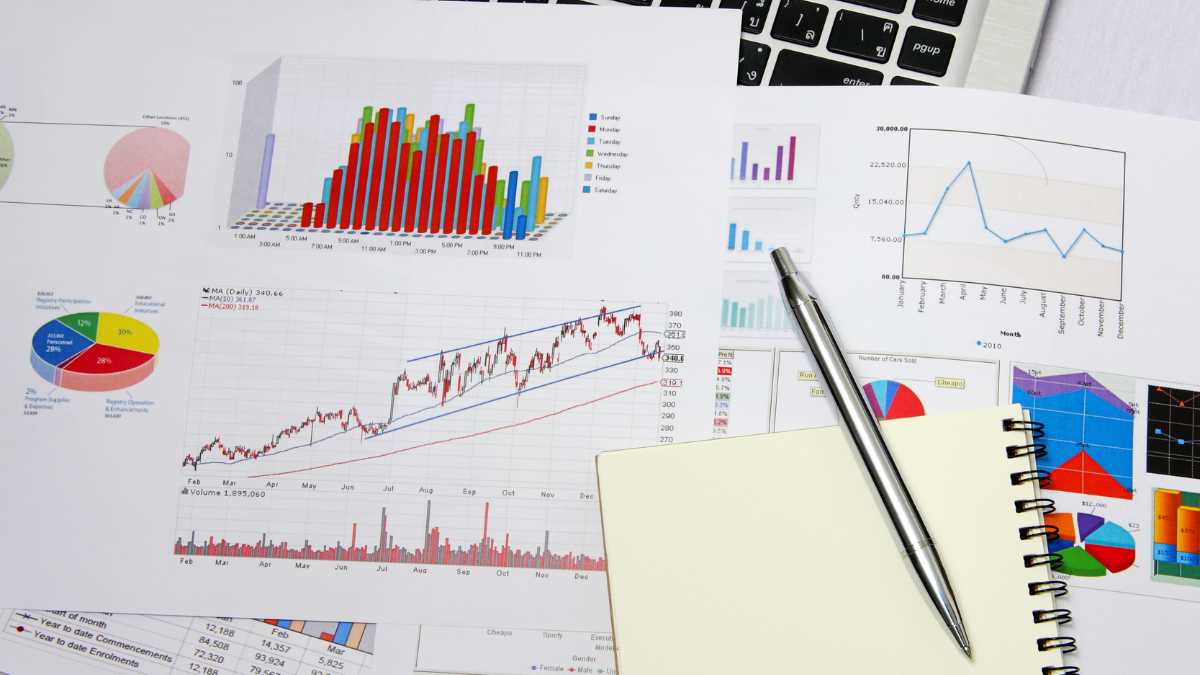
(771, 553)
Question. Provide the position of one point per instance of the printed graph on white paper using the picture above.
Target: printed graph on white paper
(993, 209)
(406, 428)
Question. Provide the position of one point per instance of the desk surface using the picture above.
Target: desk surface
(1132, 54)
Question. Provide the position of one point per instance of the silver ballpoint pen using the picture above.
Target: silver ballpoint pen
(867, 435)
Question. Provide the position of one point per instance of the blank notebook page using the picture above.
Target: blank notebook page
(771, 553)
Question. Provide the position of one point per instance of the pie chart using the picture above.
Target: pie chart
(6, 154)
(890, 400)
(146, 169)
(1089, 545)
(94, 351)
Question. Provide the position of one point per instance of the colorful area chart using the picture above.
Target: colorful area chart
(1090, 546)
(6, 154)
(94, 351)
(890, 400)
(1089, 431)
(146, 169)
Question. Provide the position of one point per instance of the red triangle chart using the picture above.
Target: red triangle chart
(1073, 474)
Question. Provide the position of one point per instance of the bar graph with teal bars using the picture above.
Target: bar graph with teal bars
(761, 314)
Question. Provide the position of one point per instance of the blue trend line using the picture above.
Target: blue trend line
(524, 332)
(450, 412)
(1177, 441)
(969, 169)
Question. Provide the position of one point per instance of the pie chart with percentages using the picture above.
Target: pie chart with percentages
(147, 168)
(1090, 546)
(6, 154)
(94, 351)
(890, 400)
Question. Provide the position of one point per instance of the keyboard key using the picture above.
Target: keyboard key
(639, 3)
(863, 36)
(754, 13)
(894, 6)
(926, 51)
(752, 63)
(795, 68)
(799, 21)
(900, 79)
(949, 12)
(573, 2)
(685, 3)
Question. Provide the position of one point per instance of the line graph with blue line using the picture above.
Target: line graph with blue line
(993, 209)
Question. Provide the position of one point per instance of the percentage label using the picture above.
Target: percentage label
(124, 331)
(103, 360)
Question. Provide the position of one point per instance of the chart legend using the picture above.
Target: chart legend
(1088, 424)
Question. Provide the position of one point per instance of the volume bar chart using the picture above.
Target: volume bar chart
(403, 178)
(434, 550)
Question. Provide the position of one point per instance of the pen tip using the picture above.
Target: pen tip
(960, 636)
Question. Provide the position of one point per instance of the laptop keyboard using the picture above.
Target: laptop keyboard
(844, 42)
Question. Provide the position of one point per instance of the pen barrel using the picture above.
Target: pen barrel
(859, 421)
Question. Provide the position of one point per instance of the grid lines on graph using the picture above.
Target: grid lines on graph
(1089, 429)
(1173, 431)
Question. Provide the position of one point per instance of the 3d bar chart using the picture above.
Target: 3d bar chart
(401, 177)
(359, 166)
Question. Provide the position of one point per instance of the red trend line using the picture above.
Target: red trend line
(1181, 402)
(454, 377)
(458, 438)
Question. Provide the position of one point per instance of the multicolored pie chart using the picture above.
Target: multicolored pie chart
(147, 168)
(890, 400)
(94, 351)
(1090, 546)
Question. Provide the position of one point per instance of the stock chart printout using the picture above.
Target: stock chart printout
(336, 327)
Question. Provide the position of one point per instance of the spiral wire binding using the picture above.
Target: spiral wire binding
(1044, 505)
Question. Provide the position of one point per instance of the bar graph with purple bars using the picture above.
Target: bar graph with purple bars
(774, 156)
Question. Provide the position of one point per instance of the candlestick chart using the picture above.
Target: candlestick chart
(378, 427)
(468, 152)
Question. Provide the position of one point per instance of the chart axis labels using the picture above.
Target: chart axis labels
(94, 351)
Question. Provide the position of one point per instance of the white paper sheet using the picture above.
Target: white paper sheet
(240, 385)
